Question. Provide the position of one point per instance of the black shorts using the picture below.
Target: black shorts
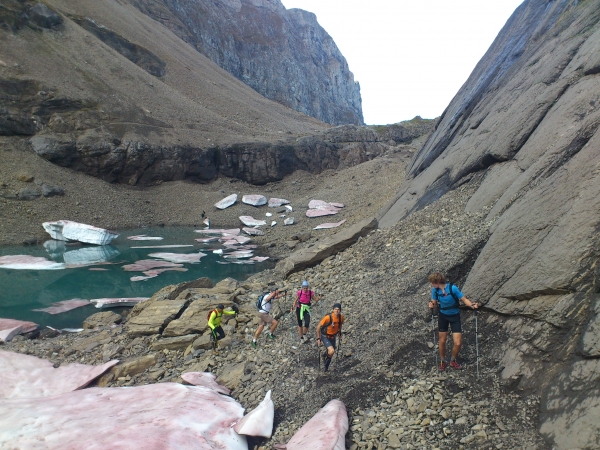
(328, 341)
(306, 318)
(453, 321)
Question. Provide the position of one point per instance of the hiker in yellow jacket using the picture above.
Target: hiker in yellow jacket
(214, 323)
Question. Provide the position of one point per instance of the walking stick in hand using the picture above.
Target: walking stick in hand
(476, 345)
(435, 350)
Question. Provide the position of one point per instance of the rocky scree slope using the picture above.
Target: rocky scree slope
(385, 372)
(528, 118)
(282, 54)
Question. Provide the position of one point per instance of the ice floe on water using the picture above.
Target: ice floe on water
(178, 257)
(165, 246)
(64, 306)
(26, 262)
(143, 237)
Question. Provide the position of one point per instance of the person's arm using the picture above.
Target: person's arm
(319, 330)
(295, 302)
(469, 303)
(213, 316)
(229, 312)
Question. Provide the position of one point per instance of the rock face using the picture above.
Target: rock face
(528, 116)
(106, 156)
(284, 55)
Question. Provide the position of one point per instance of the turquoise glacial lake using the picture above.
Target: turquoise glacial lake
(22, 291)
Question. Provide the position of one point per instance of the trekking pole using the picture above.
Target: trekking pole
(476, 346)
(435, 350)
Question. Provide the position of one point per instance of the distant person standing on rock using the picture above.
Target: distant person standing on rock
(265, 302)
(448, 298)
(214, 323)
(302, 304)
(329, 328)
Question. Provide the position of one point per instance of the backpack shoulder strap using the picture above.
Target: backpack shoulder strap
(324, 327)
(457, 303)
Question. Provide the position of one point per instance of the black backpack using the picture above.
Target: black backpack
(259, 300)
(456, 302)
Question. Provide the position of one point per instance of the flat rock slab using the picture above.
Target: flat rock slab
(174, 343)
(163, 416)
(232, 375)
(325, 226)
(277, 202)
(155, 317)
(64, 306)
(226, 202)
(29, 376)
(26, 262)
(254, 200)
(251, 221)
(310, 256)
(193, 320)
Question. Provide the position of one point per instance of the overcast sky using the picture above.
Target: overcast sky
(410, 56)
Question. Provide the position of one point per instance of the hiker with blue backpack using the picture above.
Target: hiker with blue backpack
(447, 297)
(264, 304)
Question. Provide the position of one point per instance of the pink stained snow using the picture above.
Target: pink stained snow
(26, 262)
(147, 264)
(205, 379)
(277, 202)
(250, 221)
(207, 240)
(221, 231)
(28, 376)
(7, 324)
(164, 246)
(64, 306)
(254, 200)
(320, 204)
(326, 430)
(321, 212)
(179, 257)
(163, 416)
(325, 226)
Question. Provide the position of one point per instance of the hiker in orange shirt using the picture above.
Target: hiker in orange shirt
(329, 328)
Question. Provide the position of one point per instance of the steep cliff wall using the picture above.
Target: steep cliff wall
(529, 116)
(284, 55)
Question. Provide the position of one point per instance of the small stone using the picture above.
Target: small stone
(461, 421)
(25, 177)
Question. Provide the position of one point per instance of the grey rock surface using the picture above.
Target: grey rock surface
(283, 54)
(528, 117)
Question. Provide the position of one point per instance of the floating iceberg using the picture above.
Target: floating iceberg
(26, 262)
(178, 257)
(143, 237)
(226, 202)
(66, 230)
(64, 306)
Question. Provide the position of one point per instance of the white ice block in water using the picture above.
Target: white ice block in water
(277, 202)
(143, 237)
(254, 200)
(67, 230)
(325, 431)
(179, 257)
(226, 202)
(259, 421)
(90, 255)
(251, 221)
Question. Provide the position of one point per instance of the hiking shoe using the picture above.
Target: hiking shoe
(254, 344)
(455, 365)
(216, 353)
(442, 366)
(271, 336)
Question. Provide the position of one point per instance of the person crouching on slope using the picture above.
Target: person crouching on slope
(448, 298)
(264, 315)
(214, 323)
(302, 306)
(330, 327)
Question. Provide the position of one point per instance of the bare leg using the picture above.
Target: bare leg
(258, 331)
(300, 331)
(305, 330)
(443, 337)
(457, 338)
(273, 325)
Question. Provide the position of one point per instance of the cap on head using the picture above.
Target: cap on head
(337, 305)
(220, 306)
(305, 283)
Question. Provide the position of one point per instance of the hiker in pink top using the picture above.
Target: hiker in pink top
(302, 305)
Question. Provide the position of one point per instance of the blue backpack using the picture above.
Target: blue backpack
(259, 301)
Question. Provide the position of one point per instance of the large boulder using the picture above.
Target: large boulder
(174, 343)
(155, 317)
(102, 319)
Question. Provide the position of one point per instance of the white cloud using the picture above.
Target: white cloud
(410, 56)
